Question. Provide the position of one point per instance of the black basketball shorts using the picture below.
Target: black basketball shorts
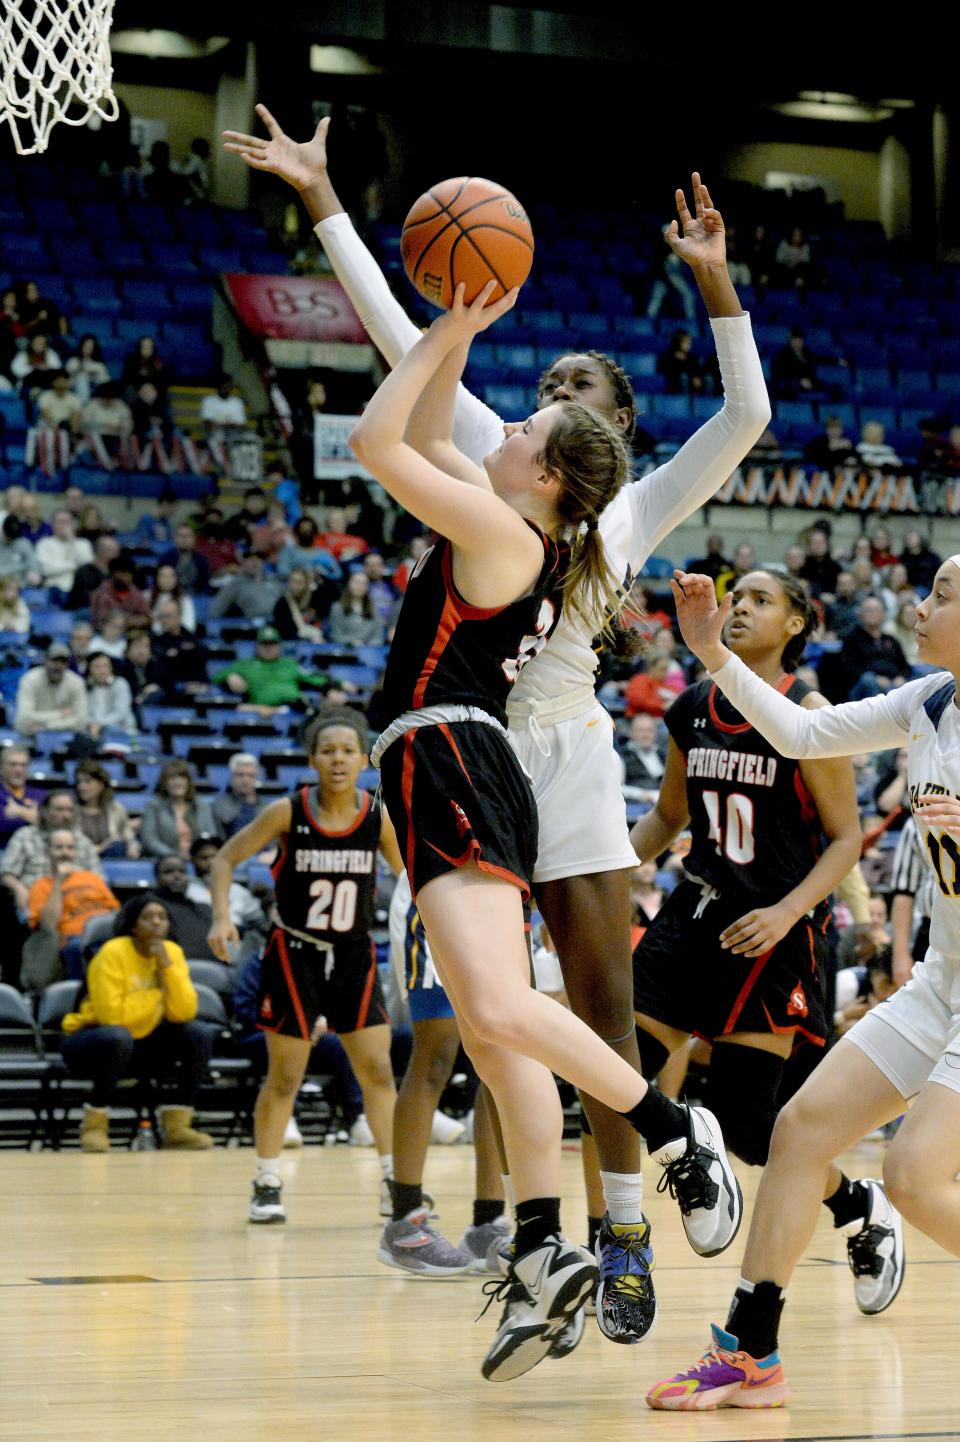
(300, 982)
(457, 793)
(683, 978)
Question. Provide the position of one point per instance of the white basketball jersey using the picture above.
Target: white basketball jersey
(934, 770)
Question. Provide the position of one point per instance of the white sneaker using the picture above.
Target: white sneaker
(699, 1177)
(292, 1136)
(445, 1130)
(360, 1133)
(543, 1292)
(266, 1203)
(876, 1253)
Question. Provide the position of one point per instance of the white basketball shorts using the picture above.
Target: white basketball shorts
(914, 1038)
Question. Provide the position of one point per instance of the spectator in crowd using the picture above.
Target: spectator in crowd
(383, 593)
(342, 543)
(190, 920)
(251, 594)
(92, 573)
(195, 172)
(74, 499)
(794, 369)
(713, 564)
(761, 256)
(51, 698)
(819, 569)
(273, 535)
(32, 524)
(111, 639)
(882, 553)
(39, 315)
(80, 643)
(193, 570)
(179, 664)
(215, 547)
(294, 615)
(175, 815)
(646, 897)
(92, 525)
(12, 331)
(901, 628)
(270, 680)
(17, 556)
(137, 666)
(14, 614)
(65, 898)
(87, 369)
(109, 701)
(34, 367)
(304, 550)
(920, 561)
(107, 425)
(873, 449)
(843, 612)
(418, 547)
(242, 803)
(251, 516)
(163, 184)
(144, 363)
(652, 690)
(59, 407)
(870, 661)
(246, 912)
(60, 556)
(641, 758)
(896, 589)
(832, 449)
(166, 587)
(744, 561)
(155, 526)
(793, 559)
(152, 424)
(221, 413)
(679, 366)
(793, 259)
(670, 275)
(102, 819)
(19, 801)
(118, 593)
(353, 620)
(137, 1018)
(859, 944)
(28, 851)
(739, 271)
(860, 988)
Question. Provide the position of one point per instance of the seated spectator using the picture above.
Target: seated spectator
(670, 273)
(118, 593)
(273, 535)
(832, 449)
(819, 569)
(19, 801)
(383, 593)
(342, 544)
(87, 369)
(152, 426)
(80, 642)
(17, 556)
(12, 331)
(352, 620)
(294, 615)
(902, 629)
(251, 594)
(102, 819)
(107, 425)
(896, 589)
(65, 898)
(862, 987)
(793, 259)
(166, 586)
(646, 898)
(641, 758)
(14, 614)
(32, 524)
(163, 184)
(60, 556)
(111, 639)
(304, 550)
(59, 407)
(222, 413)
(873, 449)
(843, 612)
(419, 545)
(862, 550)
(155, 526)
(246, 912)
(190, 920)
(92, 525)
(109, 701)
(195, 172)
(137, 1018)
(680, 367)
(51, 698)
(179, 663)
(870, 661)
(144, 363)
(136, 668)
(74, 499)
(215, 547)
(744, 561)
(793, 559)
(27, 856)
(93, 573)
(882, 553)
(794, 370)
(252, 515)
(270, 680)
(652, 690)
(714, 562)
(34, 368)
(38, 314)
(242, 803)
(193, 570)
(739, 270)
(858, 945)
(921, 563)
(761, 255)
(175, 815)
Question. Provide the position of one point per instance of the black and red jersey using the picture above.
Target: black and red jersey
(446, 651)
(325, 880)
(753, 823)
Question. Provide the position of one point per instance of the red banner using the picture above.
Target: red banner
(295, 307)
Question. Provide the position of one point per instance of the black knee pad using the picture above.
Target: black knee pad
(653, 1054)
(742, 1094)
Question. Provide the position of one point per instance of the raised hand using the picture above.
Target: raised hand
(300, 164)
(701, 619)
(699, 239)
(467, 321)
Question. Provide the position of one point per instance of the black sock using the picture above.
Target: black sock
(658, 1119)
(537, 1219)
(486, 1211)
(593, 1229)
(406, 1198)
(849, 1203)
(754, 1318)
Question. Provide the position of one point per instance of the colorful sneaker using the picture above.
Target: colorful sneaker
(555, 1279)
(699, 1177)
(488, 1244)
(626, 1302)
(875, 1252)
(266, 1204)
(413, 1246)
(724, 1377)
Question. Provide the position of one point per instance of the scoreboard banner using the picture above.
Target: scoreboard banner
(295, 307)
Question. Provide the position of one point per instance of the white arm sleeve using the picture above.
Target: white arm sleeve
(665, 497)
(477, 430)
(880, 723)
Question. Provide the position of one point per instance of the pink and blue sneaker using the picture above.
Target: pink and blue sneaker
(724, 1377)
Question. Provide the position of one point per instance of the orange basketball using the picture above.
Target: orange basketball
(468, 230)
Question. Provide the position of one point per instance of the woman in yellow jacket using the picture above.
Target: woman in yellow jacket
(137, 1018)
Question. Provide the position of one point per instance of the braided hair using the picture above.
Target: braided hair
(624, 398)
(801, 605)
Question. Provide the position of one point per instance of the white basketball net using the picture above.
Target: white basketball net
(54, 67)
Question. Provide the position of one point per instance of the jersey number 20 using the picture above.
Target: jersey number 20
(735, 837)
(531, 645)
(338, 916)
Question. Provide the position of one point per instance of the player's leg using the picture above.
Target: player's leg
(368, 1050)
(287, 1058)
(487, 1239)
(923, 1160)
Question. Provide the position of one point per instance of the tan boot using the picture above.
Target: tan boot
(94, 1133)
(176, 1131)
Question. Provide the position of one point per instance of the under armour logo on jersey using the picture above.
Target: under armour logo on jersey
(700, 723)
(303, 830)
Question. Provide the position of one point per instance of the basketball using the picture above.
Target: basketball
(468, 230)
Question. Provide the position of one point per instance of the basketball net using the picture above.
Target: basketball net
(55, 67)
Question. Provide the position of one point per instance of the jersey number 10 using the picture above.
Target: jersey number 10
(734, 838)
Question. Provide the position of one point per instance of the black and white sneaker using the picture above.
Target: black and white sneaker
(875, 1252)
(699, 1177)
(542, 1292)
(266, 1204)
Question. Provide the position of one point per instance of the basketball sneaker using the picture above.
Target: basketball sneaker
(542, 1292)
(626, 1301)
(292, 1135)
(266, 1204)
(699, 1177)
(413, 1246)
(724, 1377)
(875, 1252)
(488, 1243)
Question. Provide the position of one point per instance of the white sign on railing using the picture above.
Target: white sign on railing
(333, 459)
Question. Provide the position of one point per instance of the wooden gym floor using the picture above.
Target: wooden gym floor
(136, 1303)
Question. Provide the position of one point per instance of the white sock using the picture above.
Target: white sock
(510, 1200)
(623, 1194)
(744, 1286)
(268, 1167)
(386, 1165)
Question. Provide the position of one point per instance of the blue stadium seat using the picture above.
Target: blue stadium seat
(127, 255)
(873, 377)
(218, 259)
(128, 873)
(671, 407)
(634, 325)
(948, 383)
(147, 295)
(835, 377)
(97, 325)
(130, 329)
(507, 401)
(914, 380)
(706, 406)
(639, 363)
(796, 412)
(886, 415)
(194, 297)
(173, 257)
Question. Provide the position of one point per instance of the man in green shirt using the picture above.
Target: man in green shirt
(270, 680)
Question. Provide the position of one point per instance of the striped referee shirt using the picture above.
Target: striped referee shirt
(912, 873)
